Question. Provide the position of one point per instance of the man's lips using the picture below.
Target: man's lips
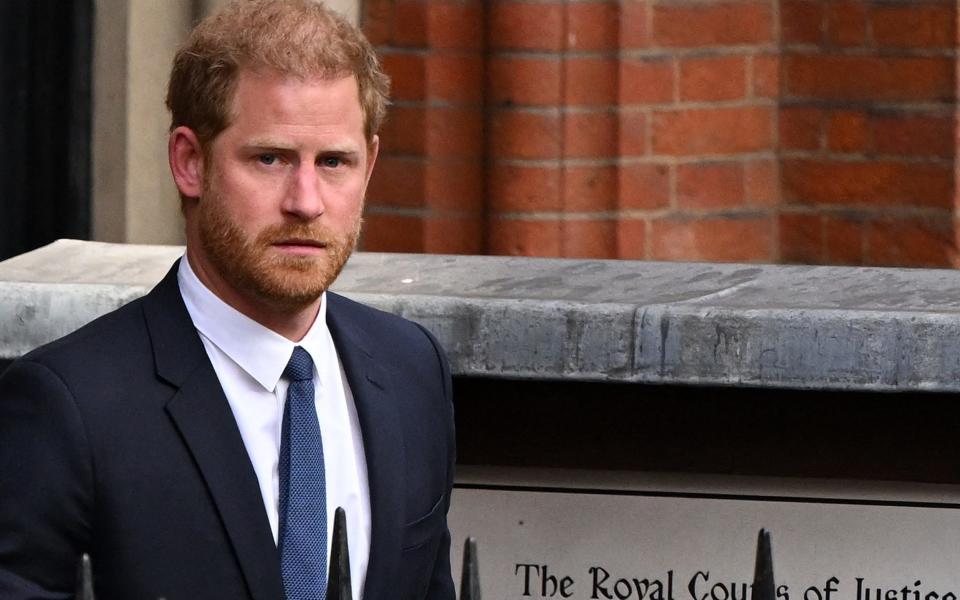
(300, 245)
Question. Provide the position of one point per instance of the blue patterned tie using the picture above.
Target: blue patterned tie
(303, 505)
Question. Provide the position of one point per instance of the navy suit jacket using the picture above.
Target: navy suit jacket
(117, 440)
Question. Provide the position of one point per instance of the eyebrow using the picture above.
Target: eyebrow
(269, 144)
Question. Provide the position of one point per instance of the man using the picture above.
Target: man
(197, 441)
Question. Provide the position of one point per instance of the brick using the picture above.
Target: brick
(869, 78)
(455, 132)
(915, 25)
(766, 76)
(646, 81)
(398, 182)
(802, 21)
(713, 78)
(523, 81)
(407, 73)
(454, 184)
(634, 32)
(404, 131)
(456, 79)
(632, 136)
(847, 23)
(589, 188)
(843, 240)
(524, 135)
(847, 131)
(385, 232)
(712, 185)
(800, 128)
(801, 239)
(720, 239)
(643, 186)
(954, 251)
(593, 26)
(517, 25)
(712, 131)
(713, 24)
(377, 21)
(453, 234)
(591, 81)
(877, 182)
(910, 242)
(514, 188)
(410, 23)
(456, 25)
(590, 134)
(632, 239)
(914, 135)
(589, 238)
(524, 237)
(761, 182)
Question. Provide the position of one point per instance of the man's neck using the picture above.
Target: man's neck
(292, 322)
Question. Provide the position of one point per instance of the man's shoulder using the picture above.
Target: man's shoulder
(107, 339)
(118, 339)
(390, 332)
(351, 309)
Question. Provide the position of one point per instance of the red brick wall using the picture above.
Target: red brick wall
(867, 124)
(814, 131)
(428, 192)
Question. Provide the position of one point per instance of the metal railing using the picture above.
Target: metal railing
(339, 584)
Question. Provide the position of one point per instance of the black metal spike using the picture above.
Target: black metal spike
(470, 574)
(763, 585)
(338, 579)
(84, 578)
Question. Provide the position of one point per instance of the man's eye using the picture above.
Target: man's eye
(267, 159)
(331, 162)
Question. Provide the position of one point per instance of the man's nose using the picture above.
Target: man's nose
(304, 197)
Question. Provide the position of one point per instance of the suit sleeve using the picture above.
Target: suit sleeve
(46, 482)
(441, 582)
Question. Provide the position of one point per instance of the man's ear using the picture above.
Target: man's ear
(186, 161)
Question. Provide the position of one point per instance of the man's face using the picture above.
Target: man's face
(283, 190)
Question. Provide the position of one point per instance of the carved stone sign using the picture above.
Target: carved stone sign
(680, 540)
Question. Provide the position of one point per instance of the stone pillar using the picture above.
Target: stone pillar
(134, 199)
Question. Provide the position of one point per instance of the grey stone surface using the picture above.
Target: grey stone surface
(687, 323)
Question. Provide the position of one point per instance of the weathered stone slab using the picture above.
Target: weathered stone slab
(606, 320)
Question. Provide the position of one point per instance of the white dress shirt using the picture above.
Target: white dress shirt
(249, 360)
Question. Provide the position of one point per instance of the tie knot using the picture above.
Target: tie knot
(300, 367)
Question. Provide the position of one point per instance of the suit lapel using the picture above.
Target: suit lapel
(202, 414)
(382, 444)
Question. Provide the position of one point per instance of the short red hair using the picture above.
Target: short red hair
(299, 38)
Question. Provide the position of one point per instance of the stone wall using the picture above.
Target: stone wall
(821, 328)
(637, 366)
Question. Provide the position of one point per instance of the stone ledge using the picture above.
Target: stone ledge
(604, 320)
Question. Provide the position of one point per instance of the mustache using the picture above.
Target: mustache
(313, 232)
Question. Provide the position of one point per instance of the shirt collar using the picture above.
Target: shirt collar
(259, 351)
